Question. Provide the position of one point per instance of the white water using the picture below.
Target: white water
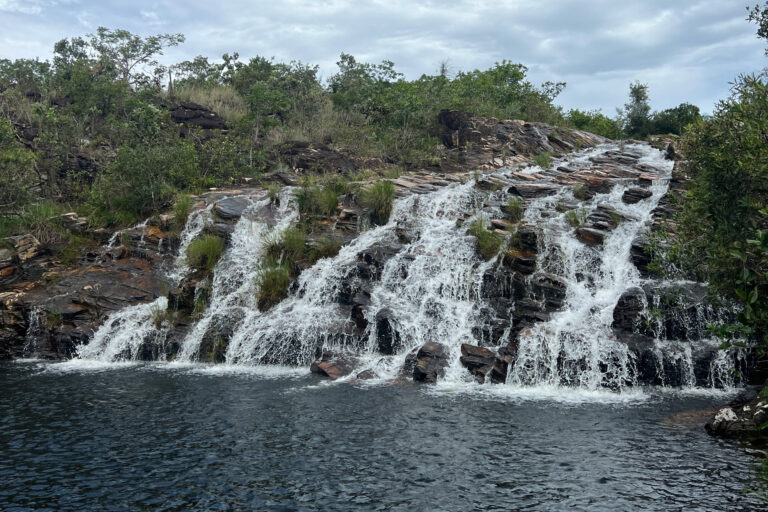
(430, 290)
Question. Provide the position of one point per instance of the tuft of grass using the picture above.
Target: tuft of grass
(204, 252)
(162, 317)
(181, 210)
(316, 200)
(581, 193)
(273, 281)
(543, 160)
(326, 247)
(378, 198)
(273, 192)
(576, 217)
(393, 172)
(487, 242)
(54, 317)
(294, 242)
(514, 209)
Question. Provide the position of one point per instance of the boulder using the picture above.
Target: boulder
(191, 115)
(332, 369)
(627, 311)
(635, 195)
(742, 421)
(550, 288)
(431, 361)
(231, 208)
(310, 157)
(590, 236)
(387, 337)
(478, 360)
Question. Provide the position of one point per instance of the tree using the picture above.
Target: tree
(636, 115)
(16, 171)
(674, 120)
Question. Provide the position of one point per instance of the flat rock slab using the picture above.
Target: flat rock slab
(231, 208)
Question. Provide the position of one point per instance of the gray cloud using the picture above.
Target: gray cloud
(685, 51)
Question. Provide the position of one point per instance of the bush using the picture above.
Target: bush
(273, 281)
(543, 160)
(576, 217)
(488, 242)
(581, 192)
(326, 247)
(514, 209)
(204, 252)
(181, 210)
(316, 200)
(378, 198)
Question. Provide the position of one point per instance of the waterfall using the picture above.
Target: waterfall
(419, 279)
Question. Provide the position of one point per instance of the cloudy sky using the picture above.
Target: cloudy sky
(686, 50)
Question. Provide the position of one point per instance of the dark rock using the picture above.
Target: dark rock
(590, 236)
(503, 362)
(387, 337)
(550, 288)
(627, 311)
(304, 156)
(635, 195)
(529, 239)
(367, 375)
(523, 262)
(640, 255)
(332, 369)
(231, 208)
(743, 421)
(191, 115)
(533, 190)
(431, 361)
(478, 360)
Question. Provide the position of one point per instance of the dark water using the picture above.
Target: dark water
(153, 438)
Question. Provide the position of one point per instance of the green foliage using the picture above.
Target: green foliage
(636, 115)
(514, 209)
(16, 171)
(543, 160)
(203, 253)
(594, 122)
(724, 220)
(581, 192)
(576, 217)
(487, 242)
(181, 210)
(325, 247)
(272, 280)
(674, 120)
(162, 317)
(378, 198)
(313, 199)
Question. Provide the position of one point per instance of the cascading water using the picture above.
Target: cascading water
(429, 286)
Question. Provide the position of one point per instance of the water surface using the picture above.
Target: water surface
(82, 436)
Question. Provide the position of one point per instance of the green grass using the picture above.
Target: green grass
(581, 193)
(514, 209)
(273, 281)
(273, 192)
(378, 198)
(487, 242)
(162, 316)
(204, 252)
(576, 217)
(317, 200)
(222, 99)
(289, 245)
(181, 210)
(543, 160)
(326, 247)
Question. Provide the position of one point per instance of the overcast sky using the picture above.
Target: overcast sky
(686, 50)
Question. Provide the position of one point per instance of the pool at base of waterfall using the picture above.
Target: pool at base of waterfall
(83, 436)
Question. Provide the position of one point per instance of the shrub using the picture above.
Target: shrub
(514, 208)
(379, 198)
(162, 316)
(576, 217)
(488, 243)
(204, 252)
(273, 281)
(315, 200)
(543, 160)
(326, 247)
(581, 192)
(273, 192)
(181, 209)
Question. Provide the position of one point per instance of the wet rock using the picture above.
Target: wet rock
(478, 360)
(523, 262)
(431, 361)
(367, 375)
(533, 190)
(497, 283)
(627, 311)
(640, 255)
(332, 369)
(231, 208)
(590, 236)
(505, 359)
(635, 195)
(741, 421)
(550, 288)
(387, 337)
(528, 239)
